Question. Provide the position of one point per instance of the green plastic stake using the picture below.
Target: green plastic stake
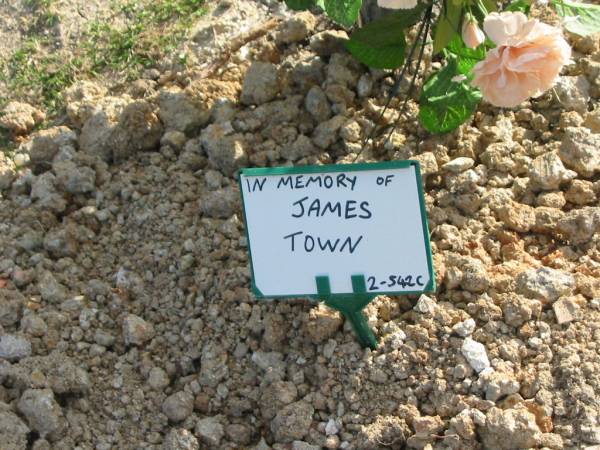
(351, 306)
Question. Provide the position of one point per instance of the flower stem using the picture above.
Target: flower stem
(396, 87)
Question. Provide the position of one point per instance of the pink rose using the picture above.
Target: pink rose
(526, 62)
(397, 4)
(472, 35)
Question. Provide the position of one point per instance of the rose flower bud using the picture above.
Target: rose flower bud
(472, 35)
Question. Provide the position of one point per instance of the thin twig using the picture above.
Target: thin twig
(396, 87)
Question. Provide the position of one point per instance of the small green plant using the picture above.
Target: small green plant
(47, 16)
(39, 75)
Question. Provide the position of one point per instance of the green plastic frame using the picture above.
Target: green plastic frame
(361, 167)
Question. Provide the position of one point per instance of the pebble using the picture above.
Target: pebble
(545, 284)
(475, 354)
(464, 328)
(42, 412)
(261, 84)
(292, 422)
(180, 439)
(566, 310)
(210, 431)
(136, 330)
(178, 406)
(158, 379)
(13, 348)
(459, 164)
(425, 305)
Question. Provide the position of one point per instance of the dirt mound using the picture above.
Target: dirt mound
(126, 318)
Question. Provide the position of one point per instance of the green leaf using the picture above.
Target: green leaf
(446, 104)
(381, 44)
(344, 12)
(465, 56)
(489, 5)
(299, 5)
(519, 5)
(582, 18)
(447, 27)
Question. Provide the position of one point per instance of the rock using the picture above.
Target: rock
(545, 284)
(13, 348)
(13, 431)
(301, 445)
(11, 307)
(579, 225)
(50, 289)
(326, 132)
(548, 172)
(7, 171)
(20, 118)
(174, 139)
(331, 427)
(180, 439)
(138, 129)
(96, 135)
(385, 429)
(475, 354)
(225, 149)
(510, 429)
(474, 276)
(292, 422)
(65, 377)
(464, 328)
(364, 87)
(74, 179)
(581, 192)
(459, 164)
(222, 203)
(592, 120)
(239, 433)
(566, 310)
(269, 361)
(61, 243)
(425, 305)
(83, 99)
(323, 323)
(426, 428)
(261, 84)
(136, 330)
(317, 105)
(327, 42)
(573, 93)
(158, 379)
(580, 150)
(209, 431)
(498, 385)
(275, 396)
(178, 406)
(517, 310)
(180, 111)
(42, 412)
(43, 190)
(213, 365)
(427, 163)
(517, 216)
(45, 144)
(300, 148)
(295, 29)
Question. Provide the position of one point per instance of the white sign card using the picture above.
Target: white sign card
(337, 221)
